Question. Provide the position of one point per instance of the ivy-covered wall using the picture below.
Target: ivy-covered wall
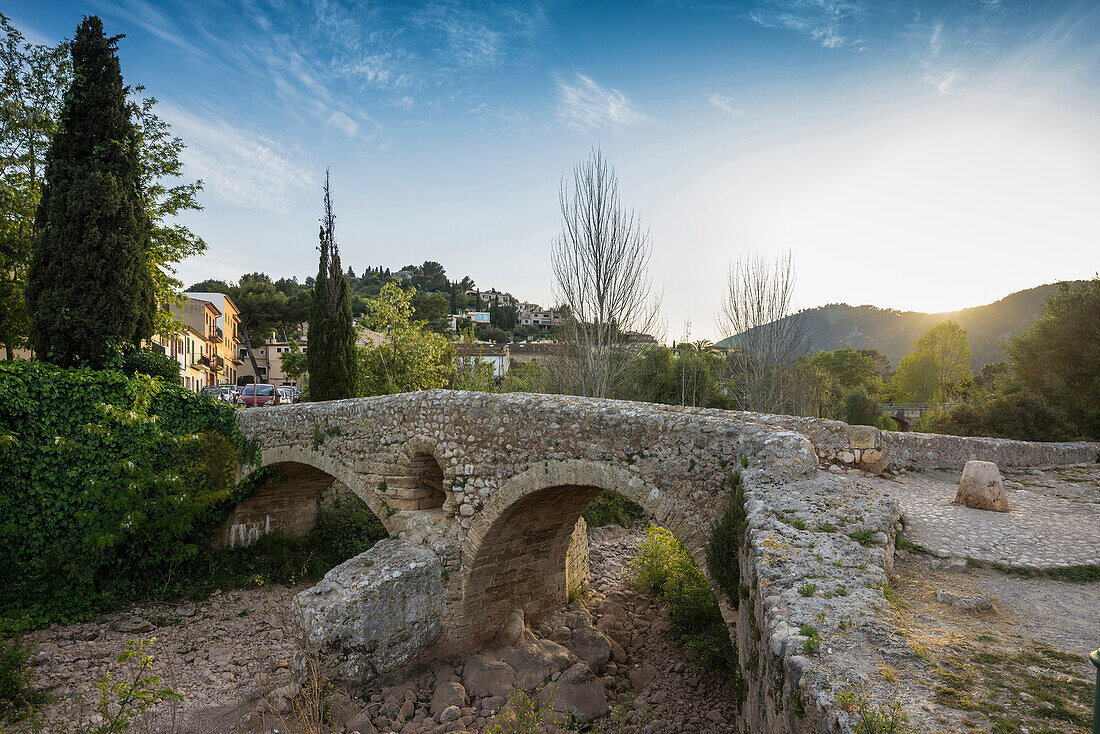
(109, 485)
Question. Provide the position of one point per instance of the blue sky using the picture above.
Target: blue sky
(915, 155)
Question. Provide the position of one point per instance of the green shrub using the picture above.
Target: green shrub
(17, 693)
(154, 364)
(860, 409)
(611, 508)
(1020, 415)
(657, 554)
(724, 546)
(664, 566)
(110, 485)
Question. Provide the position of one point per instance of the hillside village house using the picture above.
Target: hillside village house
(194, 348)
(226, 336)
(493, 297)
(269, 358)
(544, 320)
(481, 318)
(495, 355)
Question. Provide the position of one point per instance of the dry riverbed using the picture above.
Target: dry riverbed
(231, 655)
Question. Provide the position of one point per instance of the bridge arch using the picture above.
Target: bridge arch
(514, 553)
(419, 481)
(291, 505)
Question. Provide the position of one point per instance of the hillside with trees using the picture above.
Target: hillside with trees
(891, 332)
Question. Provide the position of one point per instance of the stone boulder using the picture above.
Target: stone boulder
(589, 644)
(966, 602)
(374, 615)
(577, 693)
(535, 661)
(447, 694)
(483, 676)
(981, 487)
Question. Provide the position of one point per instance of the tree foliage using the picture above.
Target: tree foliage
(937, 365)
(110, 485)
(331, 356)
(90, 290)
(261, 309)
(1018, 415)
(35, 79)
(411, 358)
(1058, 356)
(32, 79)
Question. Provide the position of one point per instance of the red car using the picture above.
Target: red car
(255, 396)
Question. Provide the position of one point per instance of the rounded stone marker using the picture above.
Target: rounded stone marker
(981, 487)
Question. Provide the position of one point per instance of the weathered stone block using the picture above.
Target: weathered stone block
(375, 614)
(982, 487)
(578, 693)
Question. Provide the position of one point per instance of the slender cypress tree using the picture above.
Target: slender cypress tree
(90, 289)
(331, 353)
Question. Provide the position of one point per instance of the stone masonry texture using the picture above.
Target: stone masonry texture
(494, 485)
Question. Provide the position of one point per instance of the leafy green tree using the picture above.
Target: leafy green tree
(331, 356)
(847, 367)
(860, 408)
(32, 80)
(294, 362)
(431, 308)
(411, 357)
(90, 289)
(261, 309)
(1058, 356)
(1018, 415)
(166, 195)
(937, 364)
(503, 317)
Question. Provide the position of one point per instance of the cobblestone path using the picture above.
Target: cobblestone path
(1054, 520)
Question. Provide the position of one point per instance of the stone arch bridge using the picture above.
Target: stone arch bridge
(495, 484)
(481, 494)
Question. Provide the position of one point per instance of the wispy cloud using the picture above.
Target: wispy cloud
(147, 16)
(469, 41)
(944, 81)
(342, 122)
(238, 167)
(586, 105)
(725, 104)
(826, 21)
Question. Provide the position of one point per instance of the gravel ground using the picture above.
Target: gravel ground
(228, 654)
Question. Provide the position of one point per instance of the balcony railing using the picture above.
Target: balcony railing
(215, 335)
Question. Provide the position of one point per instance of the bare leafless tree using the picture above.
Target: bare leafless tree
(767, 335)
(601, 281)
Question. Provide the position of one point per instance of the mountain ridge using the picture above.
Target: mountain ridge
(892, 332)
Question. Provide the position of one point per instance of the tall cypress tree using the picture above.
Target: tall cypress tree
(331, 354)
(89, 288)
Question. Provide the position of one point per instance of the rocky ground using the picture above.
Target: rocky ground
(606, 663)
(991, 651)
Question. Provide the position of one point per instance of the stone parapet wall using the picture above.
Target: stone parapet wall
(876, 450)
(815, 558)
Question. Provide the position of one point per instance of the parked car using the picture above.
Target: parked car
(255, 396)
(286, 394)
(223, 393)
